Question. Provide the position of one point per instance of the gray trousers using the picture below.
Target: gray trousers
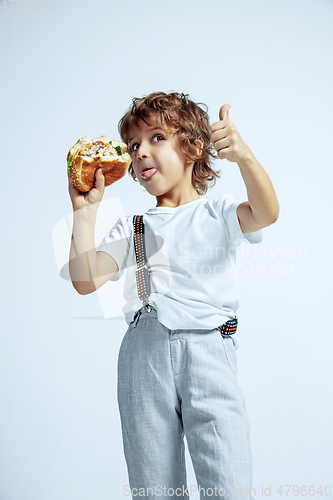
(173, 383)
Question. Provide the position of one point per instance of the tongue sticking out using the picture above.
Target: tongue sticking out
(148, 173)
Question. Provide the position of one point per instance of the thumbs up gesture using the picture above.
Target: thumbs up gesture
(226, 139)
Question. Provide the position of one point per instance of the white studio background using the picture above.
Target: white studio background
(71, 69)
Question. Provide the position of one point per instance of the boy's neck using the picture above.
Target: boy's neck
(176, 201)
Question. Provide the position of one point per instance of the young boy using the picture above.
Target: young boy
(177, 360)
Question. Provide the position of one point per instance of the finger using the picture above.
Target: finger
(218, 126)
(223, 153)
(99, 180)
(222, 144)
(224, 112)
(218, 135)
(70, 184)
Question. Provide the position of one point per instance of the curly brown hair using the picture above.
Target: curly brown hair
(181, 116)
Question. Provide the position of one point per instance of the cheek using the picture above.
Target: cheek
(135, 167)
(172, 160)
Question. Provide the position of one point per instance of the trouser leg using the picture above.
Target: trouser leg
(150, 412)
(214, 415)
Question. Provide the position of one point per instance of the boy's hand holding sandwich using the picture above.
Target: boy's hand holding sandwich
(88, 269)
(94, 195)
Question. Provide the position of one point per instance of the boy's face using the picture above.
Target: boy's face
(168, 170)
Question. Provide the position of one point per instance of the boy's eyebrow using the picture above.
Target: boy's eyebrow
(151, 128)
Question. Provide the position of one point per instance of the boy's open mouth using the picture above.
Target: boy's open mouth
(148, 173)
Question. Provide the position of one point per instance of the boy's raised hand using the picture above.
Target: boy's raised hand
(226, 139)
(90, 199)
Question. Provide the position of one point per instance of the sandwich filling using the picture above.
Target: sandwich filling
(101, 147)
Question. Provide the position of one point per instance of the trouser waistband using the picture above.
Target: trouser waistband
(144, 311)
(228, 328)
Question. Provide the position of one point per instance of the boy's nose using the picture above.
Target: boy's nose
(143, 152)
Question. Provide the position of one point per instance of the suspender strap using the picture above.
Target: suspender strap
(142, 272)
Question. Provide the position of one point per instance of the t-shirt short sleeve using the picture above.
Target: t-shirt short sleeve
(228, 207)
(116, 243)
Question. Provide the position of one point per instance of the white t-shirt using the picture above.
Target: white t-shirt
(191, 254)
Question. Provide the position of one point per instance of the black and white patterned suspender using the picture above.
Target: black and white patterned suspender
(143, 278)
(142, 272)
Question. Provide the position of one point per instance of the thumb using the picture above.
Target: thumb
(224, 112)
(99, 179)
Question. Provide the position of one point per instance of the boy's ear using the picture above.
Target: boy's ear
(199, 147)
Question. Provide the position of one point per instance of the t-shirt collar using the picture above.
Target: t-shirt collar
(180, 208)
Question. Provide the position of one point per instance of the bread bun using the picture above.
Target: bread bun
(86, 156)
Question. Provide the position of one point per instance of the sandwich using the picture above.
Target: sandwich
(86, 156)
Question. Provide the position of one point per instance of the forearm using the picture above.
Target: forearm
(260, 190)
(83, 267)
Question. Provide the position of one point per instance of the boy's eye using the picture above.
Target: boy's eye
(158, 138)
